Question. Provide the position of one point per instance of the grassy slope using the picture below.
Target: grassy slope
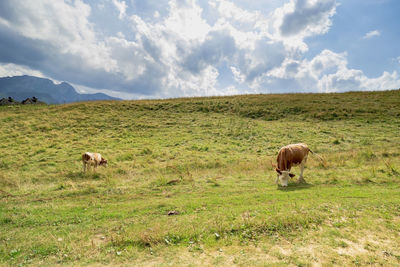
(220, 152)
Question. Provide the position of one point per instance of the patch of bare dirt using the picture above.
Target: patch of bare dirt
(98, 240)
(352, 249)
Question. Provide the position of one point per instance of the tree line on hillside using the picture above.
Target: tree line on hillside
(28, 101)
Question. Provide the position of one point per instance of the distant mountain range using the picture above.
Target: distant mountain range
(22, 87)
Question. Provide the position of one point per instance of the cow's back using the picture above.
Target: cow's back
(97, 157)
(89, 156)
(291, 155)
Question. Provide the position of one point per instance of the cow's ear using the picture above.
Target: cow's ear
(291, 175)
(278, 171)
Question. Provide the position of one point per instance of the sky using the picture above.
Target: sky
(137, 49)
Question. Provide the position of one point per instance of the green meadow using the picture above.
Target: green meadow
(210, 162)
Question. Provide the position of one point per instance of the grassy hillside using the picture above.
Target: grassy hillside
(211, 161)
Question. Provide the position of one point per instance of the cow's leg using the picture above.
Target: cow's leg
(84, 167)
(303, 163)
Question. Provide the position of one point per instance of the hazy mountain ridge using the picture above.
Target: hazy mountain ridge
(22, 87)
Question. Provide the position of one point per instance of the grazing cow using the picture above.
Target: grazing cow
(92, 159)
(289, 156)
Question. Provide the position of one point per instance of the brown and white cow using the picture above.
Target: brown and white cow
(92, 159)
(289, 156)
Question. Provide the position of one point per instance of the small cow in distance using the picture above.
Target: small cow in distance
(289, 156)
(92, 159)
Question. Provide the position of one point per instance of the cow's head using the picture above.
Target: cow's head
(103, 161)
(284, 176)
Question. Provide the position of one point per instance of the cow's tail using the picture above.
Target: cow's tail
(321, 159)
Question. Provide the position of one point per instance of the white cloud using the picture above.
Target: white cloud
(384, 82)
(337, 77)
(239, 77)
(306, 17)
(371, 34)
(66, 30)
(326, 72)
(9, 70)
(185, 20)
(121, 7)
(123, 95)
